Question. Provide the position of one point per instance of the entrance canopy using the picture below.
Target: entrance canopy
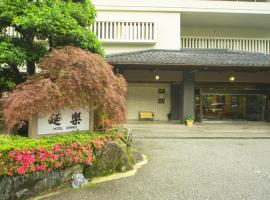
(212, 59)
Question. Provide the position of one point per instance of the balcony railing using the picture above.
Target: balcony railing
(254, 45)
(125, 32)
(116, 32)
(144, 32)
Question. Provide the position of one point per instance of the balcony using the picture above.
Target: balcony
(125, 32)
(253, 45)
(115, 32)
(144, 33)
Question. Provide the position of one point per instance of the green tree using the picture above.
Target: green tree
(43, 25)
(11, 57)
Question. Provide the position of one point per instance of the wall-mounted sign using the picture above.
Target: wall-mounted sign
(161, 96)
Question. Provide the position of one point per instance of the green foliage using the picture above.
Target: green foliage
(189, 118)
(8, 142)
(6, 80)
(33, 53)
(89, 172)
(53, 17)
(11, 56)
(58, 22)
(10, 53)
(84, 39)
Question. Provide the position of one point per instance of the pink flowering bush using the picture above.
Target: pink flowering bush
(45, 157)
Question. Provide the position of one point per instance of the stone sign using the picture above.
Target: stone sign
(63, 121)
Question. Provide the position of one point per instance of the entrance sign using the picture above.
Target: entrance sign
(63, 121)
(66, 120)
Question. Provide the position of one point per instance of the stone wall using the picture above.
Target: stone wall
(21, 187)
(113, 157)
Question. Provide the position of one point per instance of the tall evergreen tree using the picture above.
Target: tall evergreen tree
(43, 25)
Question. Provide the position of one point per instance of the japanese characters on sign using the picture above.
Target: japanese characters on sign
(65, 120)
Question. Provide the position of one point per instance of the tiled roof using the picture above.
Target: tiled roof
(202, 57)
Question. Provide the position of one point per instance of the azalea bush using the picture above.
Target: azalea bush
(69, 78)
(19, 155)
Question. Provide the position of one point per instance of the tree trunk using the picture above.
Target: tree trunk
(17, 75)
(31, 68)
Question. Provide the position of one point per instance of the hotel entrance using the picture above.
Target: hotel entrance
(233, 107)
(231, 102)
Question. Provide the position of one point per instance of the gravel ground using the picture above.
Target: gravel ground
(214, 161)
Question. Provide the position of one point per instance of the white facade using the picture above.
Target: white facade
(126, 26)
(185, 5)
(243, 24)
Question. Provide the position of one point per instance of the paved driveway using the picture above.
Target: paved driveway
(210, 161)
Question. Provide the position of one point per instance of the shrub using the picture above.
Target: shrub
(103, 121)
(20, 155)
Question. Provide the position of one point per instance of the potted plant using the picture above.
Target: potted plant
(189, 120)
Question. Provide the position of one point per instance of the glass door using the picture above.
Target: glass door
(233, 107)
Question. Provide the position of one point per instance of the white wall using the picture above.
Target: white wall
(166, 16)
(225, 32)
(144, 97)
(184, 5)
(167, 29)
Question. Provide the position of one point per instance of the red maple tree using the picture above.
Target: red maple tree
(69, 77)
